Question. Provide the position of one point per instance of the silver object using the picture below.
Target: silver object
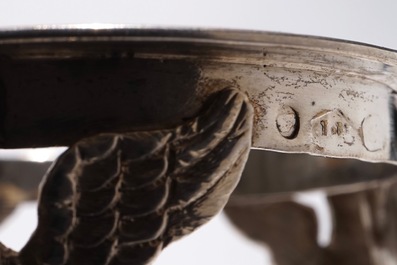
(342, 92)
(121, 198)
(309, 95)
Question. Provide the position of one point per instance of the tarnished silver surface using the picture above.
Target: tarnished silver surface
(121, 198)
(310, 95)
(342, 93)
(355, 224)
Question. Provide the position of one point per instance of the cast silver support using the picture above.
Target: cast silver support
(133, 101)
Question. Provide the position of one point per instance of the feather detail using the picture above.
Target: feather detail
(117, 199)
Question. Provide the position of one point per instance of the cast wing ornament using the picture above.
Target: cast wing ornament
(116, 199)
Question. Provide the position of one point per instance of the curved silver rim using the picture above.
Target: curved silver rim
(311, 95)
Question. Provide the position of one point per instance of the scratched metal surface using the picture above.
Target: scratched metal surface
(311, 95)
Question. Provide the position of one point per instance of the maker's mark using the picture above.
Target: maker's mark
(333, 128)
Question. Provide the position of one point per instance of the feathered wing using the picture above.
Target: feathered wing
(119, 199)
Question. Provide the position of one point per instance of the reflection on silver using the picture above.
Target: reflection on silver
(311, 75)
(310, 95)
